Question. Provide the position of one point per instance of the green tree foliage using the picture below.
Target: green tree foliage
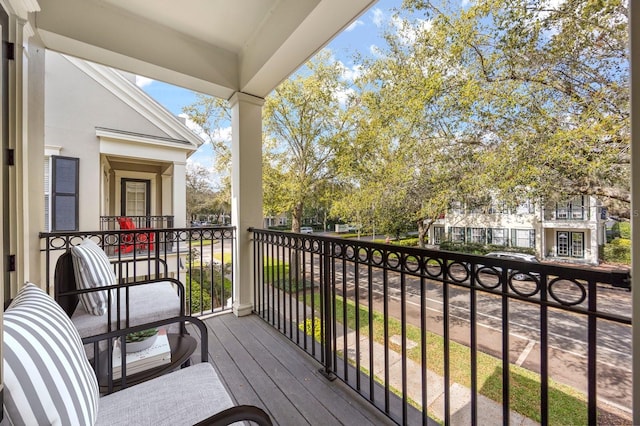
(304, 123)
(501, 99)
(212, 115)
(413, 151)
(208, 194)
(202, 200)
(545, 94)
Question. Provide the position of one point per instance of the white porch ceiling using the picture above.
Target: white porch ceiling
(216, 47)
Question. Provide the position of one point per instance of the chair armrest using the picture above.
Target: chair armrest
(175, 282)
(238, 413)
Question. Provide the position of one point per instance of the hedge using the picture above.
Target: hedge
(481, 249)
(617, 251)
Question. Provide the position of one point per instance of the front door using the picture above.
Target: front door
(136, 197)
(570, 244)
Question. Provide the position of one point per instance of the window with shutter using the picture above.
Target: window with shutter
(64, 193)
(47, 192)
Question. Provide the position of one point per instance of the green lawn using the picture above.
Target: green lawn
(567, 406)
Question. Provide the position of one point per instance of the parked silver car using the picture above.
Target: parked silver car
(306, 230)
(510, 256)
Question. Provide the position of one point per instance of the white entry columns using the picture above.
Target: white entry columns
(246, 192)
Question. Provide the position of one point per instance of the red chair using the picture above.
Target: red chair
(136, 240)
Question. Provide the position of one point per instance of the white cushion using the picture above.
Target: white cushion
(92, 270)
(184, 397)
(47, 377)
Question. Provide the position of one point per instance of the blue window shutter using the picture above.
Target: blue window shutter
(64, 193)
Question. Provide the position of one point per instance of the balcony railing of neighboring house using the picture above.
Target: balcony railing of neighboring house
(571, 213)
(201, 258)
(388, 319)
(109, 223)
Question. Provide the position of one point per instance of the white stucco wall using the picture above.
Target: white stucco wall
(75, 105)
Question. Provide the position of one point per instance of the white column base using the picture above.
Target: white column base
(242, 310)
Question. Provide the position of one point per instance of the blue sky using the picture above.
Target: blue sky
(362, 36)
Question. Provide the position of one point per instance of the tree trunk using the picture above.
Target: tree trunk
(296, 261)
(296, 220)
(423, 231)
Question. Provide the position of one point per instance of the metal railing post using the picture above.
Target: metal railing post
(327, 304)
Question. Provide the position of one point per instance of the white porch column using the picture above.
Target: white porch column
(166, 193)
(179, 195)
(634, 29)
(246, 192)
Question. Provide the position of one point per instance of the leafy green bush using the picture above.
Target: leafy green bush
(407, 242)
(199, 281)
(314, 327)
(481, 249)
(471, 248)
(194, 290)
(621, 230)
(625, 230)
(617, 251)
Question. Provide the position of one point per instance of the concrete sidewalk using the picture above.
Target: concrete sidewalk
(489, 411)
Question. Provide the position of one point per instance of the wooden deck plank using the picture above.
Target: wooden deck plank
(294, 386)
(335, 397)
(231, 375)
(271, 396)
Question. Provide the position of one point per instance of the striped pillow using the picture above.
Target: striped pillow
(92, 270)
(47, 377)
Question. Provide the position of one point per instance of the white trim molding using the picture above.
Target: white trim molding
(137, 99)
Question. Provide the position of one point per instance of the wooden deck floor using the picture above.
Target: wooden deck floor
(261, 367)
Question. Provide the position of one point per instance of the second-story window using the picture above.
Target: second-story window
(456, 207)
(574, 209)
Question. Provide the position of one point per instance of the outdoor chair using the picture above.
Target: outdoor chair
(136, 240)
(96, 304)
(49, 380)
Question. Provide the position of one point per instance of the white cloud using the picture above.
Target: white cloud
(344, 95)
(375, 50)
(143, 81)
(378, 17)
(223, 134)
(408, 32)
(220, 135)
(351, 74)
(354, 25)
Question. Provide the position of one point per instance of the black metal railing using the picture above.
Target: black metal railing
(110, 223)
(571, 213)
(200, 258)
(402, 325)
